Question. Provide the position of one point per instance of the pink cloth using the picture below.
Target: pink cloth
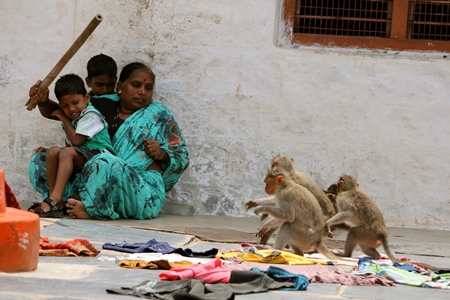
(211, 272)
(323, 274)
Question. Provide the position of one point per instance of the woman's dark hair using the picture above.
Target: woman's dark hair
(101, 64)
(70, 84)
(128, 70)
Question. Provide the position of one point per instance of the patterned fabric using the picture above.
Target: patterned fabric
(113, 187)
(76, 247)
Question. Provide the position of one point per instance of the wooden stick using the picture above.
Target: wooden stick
(32, 102)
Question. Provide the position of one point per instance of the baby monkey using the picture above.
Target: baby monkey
(369, 229)
(296, 211)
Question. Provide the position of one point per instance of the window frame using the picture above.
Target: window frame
(397, 41)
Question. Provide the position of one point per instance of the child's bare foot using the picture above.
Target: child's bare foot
(76, 209)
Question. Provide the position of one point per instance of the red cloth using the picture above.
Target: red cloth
(76, 247)
(11, 200)
(210, 272)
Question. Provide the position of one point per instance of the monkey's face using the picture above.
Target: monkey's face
(271, 186)
(346, 183)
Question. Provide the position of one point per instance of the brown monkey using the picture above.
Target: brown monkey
(286, 163)
(296, 211)
(369, 229)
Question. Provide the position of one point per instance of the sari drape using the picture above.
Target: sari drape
(113, 187)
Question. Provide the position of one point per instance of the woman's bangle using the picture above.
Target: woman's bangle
(43, 103)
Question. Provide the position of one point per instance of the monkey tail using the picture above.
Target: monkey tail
(323, 249)
(387, 250)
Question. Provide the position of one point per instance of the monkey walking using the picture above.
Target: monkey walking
(287, 164)
(295, 210)
(369, 229)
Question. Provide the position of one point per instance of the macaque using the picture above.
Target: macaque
(368, 229)
(287, 164)
(296, 211)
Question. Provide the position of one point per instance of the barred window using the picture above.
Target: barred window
(373, 24)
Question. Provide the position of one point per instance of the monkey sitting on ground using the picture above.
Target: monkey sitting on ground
(296, 211)
(369, 229)
(286, 163)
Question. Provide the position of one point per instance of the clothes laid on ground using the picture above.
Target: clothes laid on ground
(113, 187)
(160, 247)
(158, 261)
(157, 264)
(405, 275)
(271, 256)
(75, 247)
(324, 274)
(300, 281)
(241, 282)
(210, 272)
(150, 246)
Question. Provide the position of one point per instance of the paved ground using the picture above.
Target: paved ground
(87, 278)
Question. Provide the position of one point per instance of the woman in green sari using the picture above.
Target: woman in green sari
(151, 155)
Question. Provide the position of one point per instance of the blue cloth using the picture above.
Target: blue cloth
(300, 281)
(150, 246)
(160, 247)
(114, 97)
(406, 267)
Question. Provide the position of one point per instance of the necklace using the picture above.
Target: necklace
(117, 119)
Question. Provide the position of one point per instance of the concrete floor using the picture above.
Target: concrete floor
(88, 278)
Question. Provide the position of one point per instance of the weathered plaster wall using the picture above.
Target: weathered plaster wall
(242, 96)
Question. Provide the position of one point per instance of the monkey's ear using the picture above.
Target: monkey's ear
(280, 180)
(357, 184)
(292, 159)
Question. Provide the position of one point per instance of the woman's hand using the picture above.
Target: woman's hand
(40, 149)
(152, 148)
(33, 93)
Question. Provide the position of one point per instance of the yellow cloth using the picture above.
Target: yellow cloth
(270, 256)
(156, 264)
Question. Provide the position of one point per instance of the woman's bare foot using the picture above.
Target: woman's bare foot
(76, 209)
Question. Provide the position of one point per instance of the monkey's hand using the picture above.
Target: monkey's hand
(251, 204)
(332, 197)
(263, 217)
(261, 232)
(330, 234)
(259, 210)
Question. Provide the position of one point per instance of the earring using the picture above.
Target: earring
(119, 92)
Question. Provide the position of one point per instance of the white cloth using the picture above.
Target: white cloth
(90, 124)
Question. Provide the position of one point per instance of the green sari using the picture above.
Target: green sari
(113, 187)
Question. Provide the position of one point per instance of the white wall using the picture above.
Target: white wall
(240, 98)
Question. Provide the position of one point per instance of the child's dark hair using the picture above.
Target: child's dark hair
(101, 64)
(134, 66)
(70, 84)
